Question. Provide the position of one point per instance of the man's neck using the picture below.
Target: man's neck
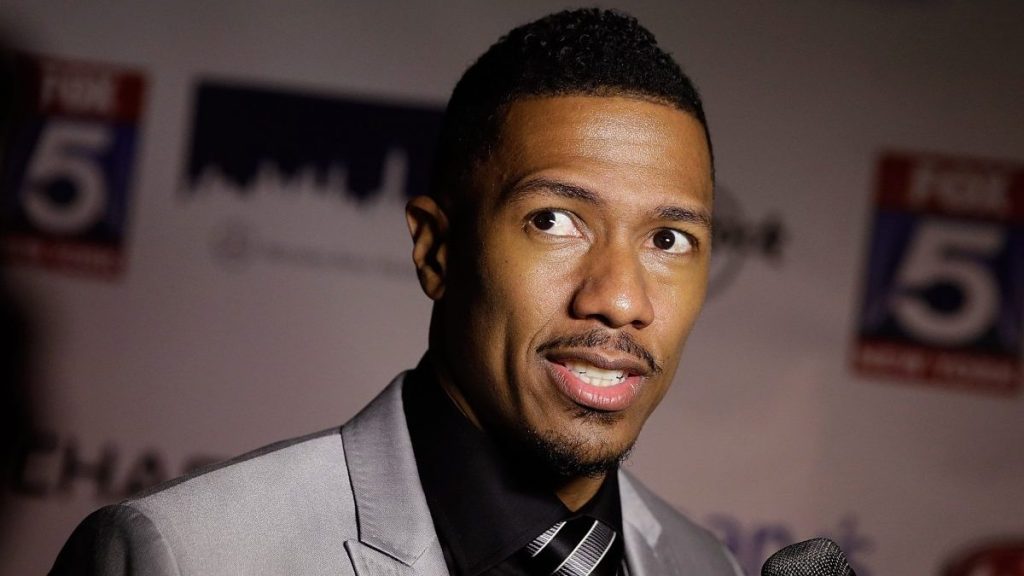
(576, 492)
(573, 492)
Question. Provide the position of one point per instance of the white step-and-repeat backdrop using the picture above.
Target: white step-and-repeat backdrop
(205, 236)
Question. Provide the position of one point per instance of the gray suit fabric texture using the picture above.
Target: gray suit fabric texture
(340, 502)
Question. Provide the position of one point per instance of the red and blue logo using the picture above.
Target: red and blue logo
(69, 163)
(943, 299)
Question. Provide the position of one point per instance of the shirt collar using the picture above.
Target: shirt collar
(484, 508)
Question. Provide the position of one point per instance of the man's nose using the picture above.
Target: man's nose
(614, 289)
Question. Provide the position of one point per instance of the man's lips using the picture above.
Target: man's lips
(611, 360)
(597, 381)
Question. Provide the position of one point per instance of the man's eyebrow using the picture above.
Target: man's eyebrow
(535, 186)
(680, 214)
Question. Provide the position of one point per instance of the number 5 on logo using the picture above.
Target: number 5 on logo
(65, 190)
(946, 292)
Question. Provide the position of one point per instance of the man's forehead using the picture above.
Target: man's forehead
(612, 105)
(623, 137)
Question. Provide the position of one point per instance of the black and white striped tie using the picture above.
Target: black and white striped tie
(580, 546)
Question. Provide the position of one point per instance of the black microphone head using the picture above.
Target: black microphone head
(815, 557)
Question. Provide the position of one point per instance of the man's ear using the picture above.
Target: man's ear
(428, 225)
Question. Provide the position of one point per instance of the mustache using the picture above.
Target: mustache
(596, 338)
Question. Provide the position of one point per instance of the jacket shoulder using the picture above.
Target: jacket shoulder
(295, 457)
(277, 509)
(114, 541)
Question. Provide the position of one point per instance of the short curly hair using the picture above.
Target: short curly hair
(574, 52)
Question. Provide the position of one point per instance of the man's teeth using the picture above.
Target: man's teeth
(596, 376)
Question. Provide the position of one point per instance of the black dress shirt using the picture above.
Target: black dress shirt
(485, 506)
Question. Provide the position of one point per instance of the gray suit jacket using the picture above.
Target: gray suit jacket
(333, 503)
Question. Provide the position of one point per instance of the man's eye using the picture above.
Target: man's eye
(554, 222)
(672, 241)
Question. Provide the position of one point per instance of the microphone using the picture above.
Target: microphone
(815, 557)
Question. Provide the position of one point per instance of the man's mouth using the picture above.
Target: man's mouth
(611, 387)
(596, 376)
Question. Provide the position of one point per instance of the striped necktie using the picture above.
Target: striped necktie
(581, 546)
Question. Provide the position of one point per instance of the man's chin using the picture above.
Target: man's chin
(567, 457)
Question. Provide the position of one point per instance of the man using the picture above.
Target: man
(565, 246)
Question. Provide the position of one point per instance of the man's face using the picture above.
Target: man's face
(577, 266)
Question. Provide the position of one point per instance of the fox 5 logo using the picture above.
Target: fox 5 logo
(944, 287)
(69, 162)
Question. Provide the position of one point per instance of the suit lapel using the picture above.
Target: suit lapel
(641, 532)
(396, 533)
